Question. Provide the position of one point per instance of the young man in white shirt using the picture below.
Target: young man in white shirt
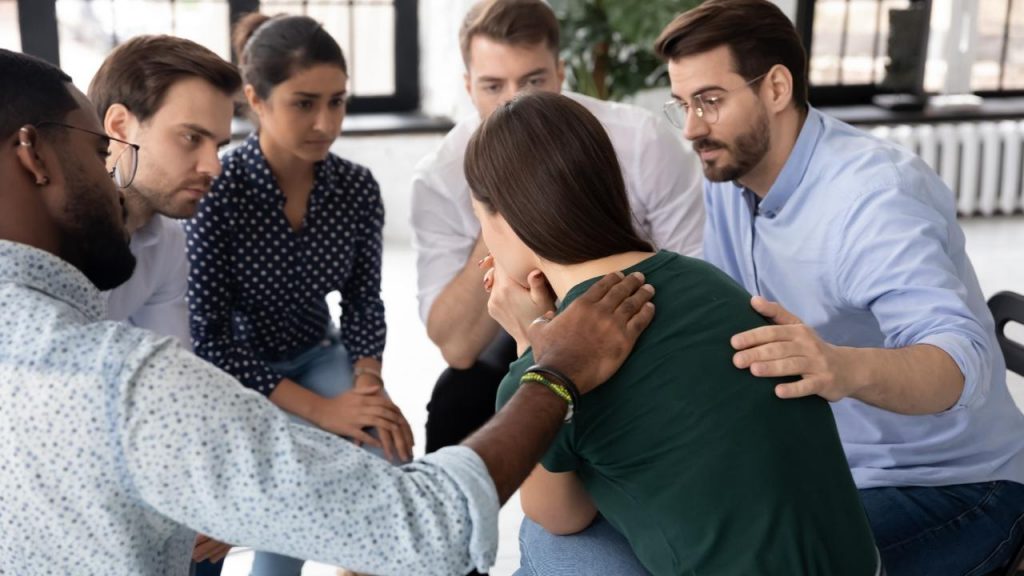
(173, 97)
(509, 46)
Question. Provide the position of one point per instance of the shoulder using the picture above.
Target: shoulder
(619, 119)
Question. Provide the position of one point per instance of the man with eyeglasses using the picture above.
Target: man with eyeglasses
(852, 248)
(113, 451)
(173, 99)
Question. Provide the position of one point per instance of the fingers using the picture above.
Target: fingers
(367, 389)
(489, 280)
(621, 291)
(792, 366)
(766, 335)
(640, 321)
(360, 437)
(773, 311)
(221, 554)
(598, 290)
(799, 389)
(766, 353)
(540, 290)
(630, 306)
(208, 548)
(388, 442)
(486, 263)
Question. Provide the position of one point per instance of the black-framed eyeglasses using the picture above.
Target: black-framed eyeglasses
(126, 162)
(705, 107)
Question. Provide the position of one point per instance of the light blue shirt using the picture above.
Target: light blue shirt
(116, 445)
(154, 297)
(858, 237)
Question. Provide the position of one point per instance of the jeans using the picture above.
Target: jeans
(960, 530)
(327, 370)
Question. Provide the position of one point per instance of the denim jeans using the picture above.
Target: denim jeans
(327, 370)
(961, 530)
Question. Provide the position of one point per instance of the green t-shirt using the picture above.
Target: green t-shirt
(697, 463)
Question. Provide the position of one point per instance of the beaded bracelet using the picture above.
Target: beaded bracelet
(558, 383)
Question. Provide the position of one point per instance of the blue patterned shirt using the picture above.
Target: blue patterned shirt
(257, 287)
(117, 445)
(859, 239)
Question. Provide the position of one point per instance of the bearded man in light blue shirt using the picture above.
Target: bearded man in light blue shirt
(851, 245)
(174, 98)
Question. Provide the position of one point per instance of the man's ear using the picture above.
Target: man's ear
(560, 71)
(779, 81)
(28, 155)
(119, 122)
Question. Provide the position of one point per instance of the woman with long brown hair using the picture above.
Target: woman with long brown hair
(696, 463)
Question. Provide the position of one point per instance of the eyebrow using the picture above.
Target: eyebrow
(702, 90)
(206, 133)
(536, 72)
(317, 94)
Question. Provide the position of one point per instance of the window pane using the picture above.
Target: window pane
(365, 30)
(89, 29)
(10, 33)
(849, 43)
(862, 38)
(1013, 75)
(826, 43)
(988, 49)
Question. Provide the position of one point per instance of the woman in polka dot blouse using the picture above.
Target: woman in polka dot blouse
(286, 223)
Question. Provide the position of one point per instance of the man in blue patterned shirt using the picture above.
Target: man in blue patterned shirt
(110, 445)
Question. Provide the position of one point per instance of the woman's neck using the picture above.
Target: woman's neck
(286, 166)
(563, 277)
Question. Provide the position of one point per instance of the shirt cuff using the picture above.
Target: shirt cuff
(468, 471)
(962, 353)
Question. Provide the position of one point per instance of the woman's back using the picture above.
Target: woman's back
(700, 466)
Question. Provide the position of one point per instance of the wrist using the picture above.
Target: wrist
(557, 383)
(368, 372)
(857, 367)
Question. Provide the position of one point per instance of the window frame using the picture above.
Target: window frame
(37, 22)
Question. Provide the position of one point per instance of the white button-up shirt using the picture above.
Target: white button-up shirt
(154, 297)
(116, 445)
(663, 182)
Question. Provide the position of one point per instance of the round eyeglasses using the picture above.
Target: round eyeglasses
(705, 105)
(125, 161)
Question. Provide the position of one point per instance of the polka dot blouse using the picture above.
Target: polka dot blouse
(257, 288)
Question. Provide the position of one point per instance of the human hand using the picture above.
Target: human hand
(349, 413)
(791, 348)
(513, 305)
(207, 548)
(591, 338)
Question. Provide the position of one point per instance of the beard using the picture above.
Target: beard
(92, 239)
(747, 151)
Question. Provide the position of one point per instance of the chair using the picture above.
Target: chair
(1007, 307)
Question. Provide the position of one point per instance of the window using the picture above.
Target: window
(973, 46)
(10, 35)
(379, 37)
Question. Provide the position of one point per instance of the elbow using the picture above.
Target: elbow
(457, 357)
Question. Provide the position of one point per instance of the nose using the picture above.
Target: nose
(209, 161)
(328, 121)
(694, 126)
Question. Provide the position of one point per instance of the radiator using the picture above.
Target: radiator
(980, 161)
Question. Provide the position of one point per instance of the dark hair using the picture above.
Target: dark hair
(546, 165)
(139, 72)
(32, 91)
(757, 33)
(272, 50)
(515, 22)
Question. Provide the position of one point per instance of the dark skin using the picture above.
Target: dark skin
(35, 192)
(587, 342)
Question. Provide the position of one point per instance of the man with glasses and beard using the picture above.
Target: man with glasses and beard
(173, 97)
(111, 447)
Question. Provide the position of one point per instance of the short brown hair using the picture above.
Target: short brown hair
(757, 33)
(515, 22)
(546, 164)
(139, 72)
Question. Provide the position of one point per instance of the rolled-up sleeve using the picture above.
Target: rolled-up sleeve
(894, 259)
(239, 470)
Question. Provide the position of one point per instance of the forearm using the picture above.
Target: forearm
(557, 501)
(289, 396)
(458, 322)
(514, 440)
(918, 379)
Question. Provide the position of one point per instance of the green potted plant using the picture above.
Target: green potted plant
(607, 44)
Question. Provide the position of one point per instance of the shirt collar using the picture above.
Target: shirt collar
(796, 165)
(37, 269)
(149, 234)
